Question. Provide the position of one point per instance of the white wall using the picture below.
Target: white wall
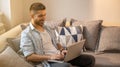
(107, 10)
(0, 5)
(17, 11)
(59, 9)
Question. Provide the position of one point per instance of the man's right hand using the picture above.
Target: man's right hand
(57, 57)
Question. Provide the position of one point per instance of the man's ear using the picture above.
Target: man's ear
(31, 15)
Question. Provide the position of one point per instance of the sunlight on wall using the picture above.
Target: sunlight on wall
(108, 10)
(105, 23)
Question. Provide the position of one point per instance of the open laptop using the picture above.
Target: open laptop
(73, 51)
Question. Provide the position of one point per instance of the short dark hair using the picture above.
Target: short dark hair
(37, 6)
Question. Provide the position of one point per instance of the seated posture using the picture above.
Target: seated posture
(39, 43)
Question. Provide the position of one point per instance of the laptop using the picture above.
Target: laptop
(73, 51)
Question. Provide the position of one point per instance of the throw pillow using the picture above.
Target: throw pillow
(9, 58)
(68, 35)
(66, 22)
(14, 43)
(109, 39)
(24, 25)
(91, 32)
(55, 23)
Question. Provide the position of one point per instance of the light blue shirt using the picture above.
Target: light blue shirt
(31, 41)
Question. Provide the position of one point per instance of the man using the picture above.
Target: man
(39, 43)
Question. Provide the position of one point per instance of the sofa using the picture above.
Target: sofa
(102, 42)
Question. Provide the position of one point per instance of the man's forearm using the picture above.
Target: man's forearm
(38, 58)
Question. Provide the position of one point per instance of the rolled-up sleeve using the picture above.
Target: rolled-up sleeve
(26, 44)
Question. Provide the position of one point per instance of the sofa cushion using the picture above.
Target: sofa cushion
(91, 32)
(9, 58)
(14, 43)
(109, 39)
(68, 35)
(106, 59)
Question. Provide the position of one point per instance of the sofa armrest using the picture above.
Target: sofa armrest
(9, 34)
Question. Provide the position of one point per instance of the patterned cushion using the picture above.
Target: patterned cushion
(68, 35)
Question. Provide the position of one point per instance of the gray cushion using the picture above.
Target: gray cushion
(14, 43)
(54, 24)
(24, 25)
(106, 59)
(91, 32)
(9, 58)
(109, 39)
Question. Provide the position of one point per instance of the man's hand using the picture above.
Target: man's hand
(63, 52)
(57, 57)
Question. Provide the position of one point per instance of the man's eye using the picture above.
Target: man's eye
(41, 15)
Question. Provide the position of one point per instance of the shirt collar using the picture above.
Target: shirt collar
(31, 26)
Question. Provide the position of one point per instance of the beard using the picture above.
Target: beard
(40, 23)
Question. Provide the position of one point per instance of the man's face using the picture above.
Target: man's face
(39, 17)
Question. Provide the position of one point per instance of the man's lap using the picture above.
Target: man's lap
(83, 61)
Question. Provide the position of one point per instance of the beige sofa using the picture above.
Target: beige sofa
(9, 57)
